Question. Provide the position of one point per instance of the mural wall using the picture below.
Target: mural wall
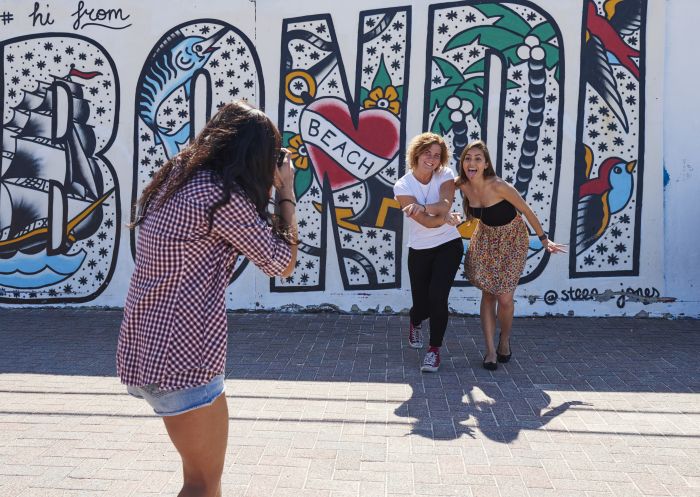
(96, 98)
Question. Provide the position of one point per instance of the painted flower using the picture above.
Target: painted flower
(384, 99)
(298, 153)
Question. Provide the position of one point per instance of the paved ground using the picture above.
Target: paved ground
(331, 405)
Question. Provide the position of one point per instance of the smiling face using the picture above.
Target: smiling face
(429, 159)
(425, 150)
(475, 162)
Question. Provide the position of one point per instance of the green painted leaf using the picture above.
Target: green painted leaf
(302, 181)
(489, 36)
(442, 123)
(478, 66)
(512, 84)
(399, 90)
(552, 55)
(511, 56)
(286, 136)
(364, 94)
(509, 19)
(439, 96)
(472, 83)
(544, 31)
(382, 78)
(449, 71)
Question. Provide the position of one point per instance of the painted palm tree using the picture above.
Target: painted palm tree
(517, 42)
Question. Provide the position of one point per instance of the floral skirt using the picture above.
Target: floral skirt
(496, 256)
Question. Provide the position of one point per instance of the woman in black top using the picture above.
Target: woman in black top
(498, 248)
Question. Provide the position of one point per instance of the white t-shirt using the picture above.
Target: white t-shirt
(420, 237)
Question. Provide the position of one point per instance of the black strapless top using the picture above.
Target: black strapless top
(498, 214)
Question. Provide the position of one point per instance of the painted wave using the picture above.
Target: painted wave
(30, 271)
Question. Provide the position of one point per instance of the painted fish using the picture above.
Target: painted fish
(175, 63)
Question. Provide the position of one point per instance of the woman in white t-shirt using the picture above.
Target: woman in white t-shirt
(434, 244)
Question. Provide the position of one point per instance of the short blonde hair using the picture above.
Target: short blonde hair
(423, 142)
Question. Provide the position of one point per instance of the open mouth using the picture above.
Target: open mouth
(471, 172)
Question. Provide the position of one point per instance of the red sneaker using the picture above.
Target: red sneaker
(415, 336)
(431, 362)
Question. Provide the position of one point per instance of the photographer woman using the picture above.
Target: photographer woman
(203, 209)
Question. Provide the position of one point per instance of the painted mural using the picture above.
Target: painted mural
(605, 227)
(207, 55)
(347, 151)
(59, 212)
(464, 37)
(573, 143)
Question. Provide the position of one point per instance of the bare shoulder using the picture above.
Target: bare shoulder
(500, 186)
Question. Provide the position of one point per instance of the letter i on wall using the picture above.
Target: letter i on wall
(191, 72)
(347, 152)
(468, 41)
(606, 221)
(59, 212)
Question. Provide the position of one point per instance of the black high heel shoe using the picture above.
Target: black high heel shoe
(491, 366)
(503, 357)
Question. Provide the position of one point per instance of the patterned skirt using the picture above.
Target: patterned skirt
(496, 256)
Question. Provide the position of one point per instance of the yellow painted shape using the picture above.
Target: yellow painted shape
(610, 7)
(341, 214)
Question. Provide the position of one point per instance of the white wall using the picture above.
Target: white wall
(668, 256)
(681, 117)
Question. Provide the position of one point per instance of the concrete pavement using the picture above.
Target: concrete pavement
(331, 405)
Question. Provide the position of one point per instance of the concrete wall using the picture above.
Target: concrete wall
(586, 105)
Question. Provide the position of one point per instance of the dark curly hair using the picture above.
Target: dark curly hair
(240, 145)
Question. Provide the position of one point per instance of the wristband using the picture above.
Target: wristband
(280, 201)
(542, 237)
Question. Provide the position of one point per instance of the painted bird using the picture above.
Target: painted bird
(605, 48)
(174, 64)
(601, 197)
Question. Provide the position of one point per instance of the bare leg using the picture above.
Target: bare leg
(488, 324)
(200, 436)
(505, 320)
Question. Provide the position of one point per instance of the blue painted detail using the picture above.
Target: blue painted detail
(667, 177)
(28, 271)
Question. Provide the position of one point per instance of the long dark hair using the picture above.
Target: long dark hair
(489, 171)
(240, 145)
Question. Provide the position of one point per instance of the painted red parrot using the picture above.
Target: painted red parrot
(601, 197)
(605, 48)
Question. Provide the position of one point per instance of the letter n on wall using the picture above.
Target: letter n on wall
(606, 221)
(347, 152)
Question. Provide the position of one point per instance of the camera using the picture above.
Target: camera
(280, 158)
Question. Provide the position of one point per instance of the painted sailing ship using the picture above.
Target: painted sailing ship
(51, 187)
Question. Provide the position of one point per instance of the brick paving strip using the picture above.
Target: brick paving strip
(334, 405)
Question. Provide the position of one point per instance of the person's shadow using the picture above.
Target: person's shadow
(446, 407)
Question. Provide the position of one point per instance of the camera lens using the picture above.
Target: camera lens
(280, 158)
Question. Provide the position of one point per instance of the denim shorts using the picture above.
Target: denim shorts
(174, 402)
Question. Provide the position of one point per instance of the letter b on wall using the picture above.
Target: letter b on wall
(59, 213)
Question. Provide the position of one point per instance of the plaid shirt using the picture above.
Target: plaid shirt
(174, 328)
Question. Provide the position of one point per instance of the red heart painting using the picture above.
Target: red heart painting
(342, 152)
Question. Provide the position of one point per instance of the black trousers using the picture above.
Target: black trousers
(432, 272)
